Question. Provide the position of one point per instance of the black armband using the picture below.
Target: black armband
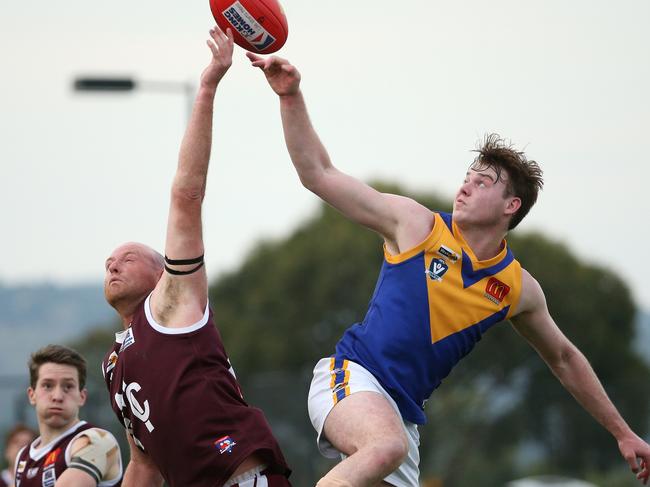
(197, 260)
(86, 466)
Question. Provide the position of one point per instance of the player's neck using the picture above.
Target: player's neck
(48, 434)
(485, 242)
(127, 318)
(126, 310)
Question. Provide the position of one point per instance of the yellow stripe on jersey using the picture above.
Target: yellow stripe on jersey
(468, 292)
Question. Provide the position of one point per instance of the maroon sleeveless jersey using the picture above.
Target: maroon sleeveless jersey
(175, 392)
(42, 465)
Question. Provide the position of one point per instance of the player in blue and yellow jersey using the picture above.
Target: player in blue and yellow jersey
(445, 280)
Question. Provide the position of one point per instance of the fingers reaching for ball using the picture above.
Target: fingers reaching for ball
(281, 75)
(221, 46)
(266, 63)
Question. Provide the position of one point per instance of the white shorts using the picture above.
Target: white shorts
(332, 382)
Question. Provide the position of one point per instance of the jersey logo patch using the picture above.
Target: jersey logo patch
(437, 269)
(496, 290)
(447, 252)
(21, 466)
(49, 476)
(51, 457)
(225, 444)
(31, 473)
(129, 340)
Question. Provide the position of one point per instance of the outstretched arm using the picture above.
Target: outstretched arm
(181, 295)
(570, 366)
(401, 221)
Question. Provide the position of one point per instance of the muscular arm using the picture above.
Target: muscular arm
(141, 471)
(401, 221)
(180, 300)
(94, 457)
(572, 369)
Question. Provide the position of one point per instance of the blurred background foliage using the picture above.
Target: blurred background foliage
(500, 415)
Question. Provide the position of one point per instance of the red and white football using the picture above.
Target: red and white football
(259, 26)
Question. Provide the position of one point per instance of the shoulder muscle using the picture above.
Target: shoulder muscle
(97, 453)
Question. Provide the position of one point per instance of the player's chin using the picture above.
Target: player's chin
(113, 293)
(57, 419)
(459, 213)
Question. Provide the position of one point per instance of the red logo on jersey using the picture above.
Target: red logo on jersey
(51, 457)
(225, 444)
(496, 290)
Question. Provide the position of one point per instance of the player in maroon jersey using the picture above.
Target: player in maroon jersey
(170, 381)
(69, 452)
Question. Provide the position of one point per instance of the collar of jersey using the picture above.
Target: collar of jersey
(473, 270)
(41, 451)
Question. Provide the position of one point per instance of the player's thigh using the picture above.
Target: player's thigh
(362, 419)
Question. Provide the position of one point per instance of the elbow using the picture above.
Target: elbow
(188, 194)
(309, 182)
(564, 360)
(313, 178)
(316, 186)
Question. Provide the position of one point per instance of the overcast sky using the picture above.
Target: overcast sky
(398, 91)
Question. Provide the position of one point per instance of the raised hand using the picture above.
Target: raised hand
(282, 76)
(221, 46)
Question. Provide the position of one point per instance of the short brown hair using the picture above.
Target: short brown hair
(524, 177)
(56, 354)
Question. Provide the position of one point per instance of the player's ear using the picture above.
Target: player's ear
(513, 203)
(83, 394)
(31, 396)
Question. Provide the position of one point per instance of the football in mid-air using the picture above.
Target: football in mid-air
(258, 26)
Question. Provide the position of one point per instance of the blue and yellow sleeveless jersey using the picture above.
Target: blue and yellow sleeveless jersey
(430, 306)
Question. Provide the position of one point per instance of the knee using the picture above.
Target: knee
(391, 454)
